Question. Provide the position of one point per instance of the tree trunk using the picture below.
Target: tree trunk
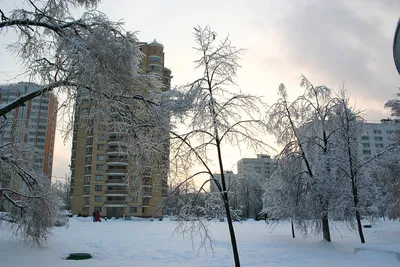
(359, 225)
(293, 234)
(355, 202)
(325, 223)
(325, 228)
(226, 205)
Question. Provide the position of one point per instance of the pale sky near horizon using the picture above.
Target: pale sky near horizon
(330, 42)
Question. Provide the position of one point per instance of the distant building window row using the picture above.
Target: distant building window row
(367, 152)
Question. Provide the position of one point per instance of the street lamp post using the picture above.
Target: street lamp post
(396, 47)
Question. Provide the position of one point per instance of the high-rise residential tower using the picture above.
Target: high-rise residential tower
(105, 176)
(38, 117)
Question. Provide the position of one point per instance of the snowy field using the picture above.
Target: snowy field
(152, 243)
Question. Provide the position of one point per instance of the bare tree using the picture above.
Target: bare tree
(214, 116)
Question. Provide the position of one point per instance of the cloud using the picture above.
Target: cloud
(332, 41)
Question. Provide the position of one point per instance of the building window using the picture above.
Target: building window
(97, 209)
(89, 149)
(100, 157)
(389, 132)
(99, 177)
(98, 188)
(133, 188)
(134, 158)
(101, 147)
(98, 198)
(367, 152)
(365, 145)
(378, 138)
(89, 140)
(146, 200)
(377, 131)
(86, 200)
(379, 145)
(88, 159)
(134, 198)
(86, 189)
(364, 137)
(133, 209)
(101, 138)
(88, 170)
(99, 167)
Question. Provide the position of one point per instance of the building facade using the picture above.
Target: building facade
(38, 117)
(105, 176)
(376, 136)
(251, 177)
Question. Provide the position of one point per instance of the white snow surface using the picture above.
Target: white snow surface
(153, 243)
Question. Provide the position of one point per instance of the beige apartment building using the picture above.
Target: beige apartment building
(39, 116)
(105, 176)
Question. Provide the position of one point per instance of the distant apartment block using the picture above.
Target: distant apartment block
(376, 136)
(104, 175)
(262, 165)
(39, 117)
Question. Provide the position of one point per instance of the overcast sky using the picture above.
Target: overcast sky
(328, 41)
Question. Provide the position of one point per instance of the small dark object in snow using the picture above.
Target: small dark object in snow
(79, 256)
(367, 226)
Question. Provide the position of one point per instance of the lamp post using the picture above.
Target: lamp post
(396, 47)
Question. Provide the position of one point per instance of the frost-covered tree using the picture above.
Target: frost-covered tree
(248, 191)
(70, 55)
(282, 191)
(25, 189)
(92, 61)
(330, 177)
(303, 128)
(62, 189)
(217, 115)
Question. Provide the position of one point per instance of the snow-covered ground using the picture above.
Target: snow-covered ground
(152, 243)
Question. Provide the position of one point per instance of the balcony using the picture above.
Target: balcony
(117, 161)
(114, 131)
(147, 182)
(115, 151)
(116, 172)
(86, 183)
(147, 193)
(115, 203)
(115, 182)
(115, 192)
(115, 140)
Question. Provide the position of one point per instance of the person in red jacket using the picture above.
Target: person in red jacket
(98, 216)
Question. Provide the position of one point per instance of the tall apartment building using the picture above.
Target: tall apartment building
(39, 118)
(104, 175)
(376, 136)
